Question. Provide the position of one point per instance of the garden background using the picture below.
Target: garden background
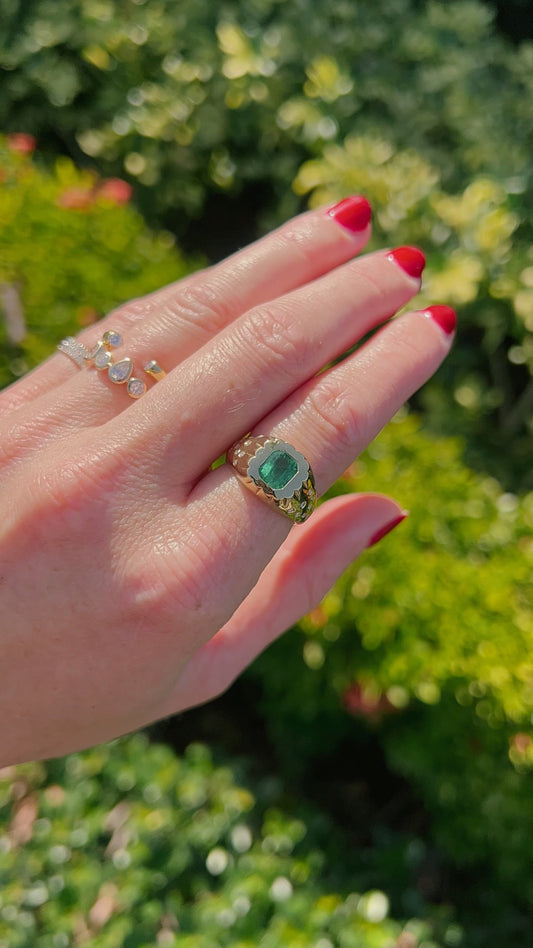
(368, 782)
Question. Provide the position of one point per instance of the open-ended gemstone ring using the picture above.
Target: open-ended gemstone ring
(101, 357)
(277, 473)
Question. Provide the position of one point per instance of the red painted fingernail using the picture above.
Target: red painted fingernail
(444, 316)
(382, 532)
(353, 213)
(410, 259)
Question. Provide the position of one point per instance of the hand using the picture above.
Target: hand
(134, 580)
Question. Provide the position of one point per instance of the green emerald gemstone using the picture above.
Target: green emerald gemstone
(278, 469)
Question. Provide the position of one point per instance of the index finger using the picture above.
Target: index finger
(190, 311)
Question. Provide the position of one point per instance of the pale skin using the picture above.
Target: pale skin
(135, 581)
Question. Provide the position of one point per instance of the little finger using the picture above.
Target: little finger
(299, 575)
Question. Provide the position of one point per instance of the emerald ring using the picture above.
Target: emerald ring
(277, 473)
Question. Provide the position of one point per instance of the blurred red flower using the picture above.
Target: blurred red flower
(368, 703)
(76, 198)
(21, 143)
(115, 190)
(521, 743)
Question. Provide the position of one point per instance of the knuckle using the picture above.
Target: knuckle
(15, 444)
(170, 580)
(201, 303)
(333, 411)
(76, 492)
(369, 285)
(147, 599)
(276, 340)
(67, 503)
(134, 311)
(410, 348)
(196, 301)
(296, 240)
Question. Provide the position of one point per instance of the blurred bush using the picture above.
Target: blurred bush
(446, 598)
(421, 105)
(71, 248)
(128, 845)
(427, 640)
(190, 95)
(477, 262)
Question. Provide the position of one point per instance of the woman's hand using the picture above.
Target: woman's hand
(134, 580)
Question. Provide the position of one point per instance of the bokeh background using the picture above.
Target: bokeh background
(368, 782)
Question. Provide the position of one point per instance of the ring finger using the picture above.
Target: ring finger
(258, 361)
(330, 419)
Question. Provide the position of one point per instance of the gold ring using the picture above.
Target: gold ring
(101, 357)
(276, 473)
(154, 369)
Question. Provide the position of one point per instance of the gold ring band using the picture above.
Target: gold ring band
(100, 356)
(276, 473)
(154, 369)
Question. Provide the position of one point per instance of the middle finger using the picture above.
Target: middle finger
(218, 394)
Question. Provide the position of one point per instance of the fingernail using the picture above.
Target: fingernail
(382, 532)
(410, 259)
(353, 213)
(444, 316)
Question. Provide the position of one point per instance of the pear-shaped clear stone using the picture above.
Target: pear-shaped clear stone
(121, 371)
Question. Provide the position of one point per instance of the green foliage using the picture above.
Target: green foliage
(421, 105)
(426, 643)
(475, 781)
(479, 262)
(428, 639)
(190, 95)
(129, 845)
(447, 597)
(70, 250)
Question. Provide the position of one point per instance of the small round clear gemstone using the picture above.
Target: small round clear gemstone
(112, 338)
(136, 388)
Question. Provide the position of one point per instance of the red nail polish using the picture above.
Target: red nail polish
(382, 532)
(410, 259)
(444, 316)
(353, 213)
